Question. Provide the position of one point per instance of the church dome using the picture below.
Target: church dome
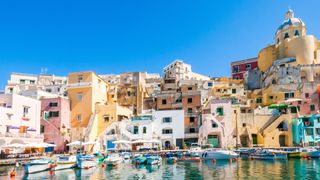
(289, 21)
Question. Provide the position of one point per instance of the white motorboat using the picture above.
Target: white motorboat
(218, 154)
(195, 150)
(85, 161)
(126, 155)
(113, 159)
(66, 162)
(38, 166)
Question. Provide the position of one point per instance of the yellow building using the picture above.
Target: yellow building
(291, 40)
(85, 90)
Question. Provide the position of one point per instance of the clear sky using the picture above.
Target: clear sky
(120, 36)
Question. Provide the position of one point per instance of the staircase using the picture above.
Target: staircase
(276, 123)
(87, 132)
(270, 121)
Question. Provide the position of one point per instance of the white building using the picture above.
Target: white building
(24, 82)
(181, 71)
(20, 119)
(167, 127)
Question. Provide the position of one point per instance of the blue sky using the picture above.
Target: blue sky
(121, 36)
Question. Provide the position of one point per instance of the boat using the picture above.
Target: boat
(189, 160)
(218, 154)
(279, 154)
(66, 162)
(152, 160)
(171, 160)
(310, 152)
(38, 165)
(263, 156)
(85, 161)
(195, 150)
(98, 157)
(113, 159)
(126, 155)
(140, 159)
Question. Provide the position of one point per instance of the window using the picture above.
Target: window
(41, 129)
(312, 107)
(293, 109)
(53, 104)
(80, 78)
(278, 40)
(79, 96)
(296, 33)
(79, 117)
(191, 119)
(144, 130)
(9, 116)
(286, 35)
(135, 129)
(192, 130)
(234, 91)
(259, 100)
(306, 95)
(11, 90)
(298, 108)
(214, 125)
(106, 118)
(164, 101)
(235, 69)
(189, 110)
(270, 97)
(48, 90)
(248, 67)
(25, 111)
(237, 77)
(22, 81)
(209, 84)
(318, 131)
(244, 124)
(220, 111)
(53, 114)
(189, 100)
(166, 131)
(129, 93)
(32, 82)
(189, 88)
(299, 102)
(309, 131)
(289, 95)
(167, 120)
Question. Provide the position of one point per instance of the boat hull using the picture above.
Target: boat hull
(219, 155)
(35, 168)
(189, 160)
(263, 157)
(61, 166)
(85, 164)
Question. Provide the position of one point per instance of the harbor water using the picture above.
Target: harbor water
(241, 169)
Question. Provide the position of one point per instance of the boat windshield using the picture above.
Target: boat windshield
(63, 158)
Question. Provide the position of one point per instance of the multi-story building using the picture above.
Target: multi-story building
(239, 68)
(85, 90)
(20, 120)
(55, 121)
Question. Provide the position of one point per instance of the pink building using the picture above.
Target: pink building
(55, 121)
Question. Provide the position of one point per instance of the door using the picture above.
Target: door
(110, 145)
(254, 139)
(214, 140)
(179, 143)
(282, 140)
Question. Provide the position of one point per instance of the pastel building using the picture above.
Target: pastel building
(55, 121)
(20, 119)
(239, 68)
(306, 130)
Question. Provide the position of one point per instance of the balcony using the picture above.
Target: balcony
(79, 85)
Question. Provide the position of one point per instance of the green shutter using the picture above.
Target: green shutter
(45, 115)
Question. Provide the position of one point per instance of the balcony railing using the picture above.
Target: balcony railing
(79, 85)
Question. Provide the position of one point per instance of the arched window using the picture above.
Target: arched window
(144, 130)
(214, 125)
(278, 41)
(286, 35)
(296, 33)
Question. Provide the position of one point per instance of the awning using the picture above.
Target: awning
(278, 106)
(13, 127)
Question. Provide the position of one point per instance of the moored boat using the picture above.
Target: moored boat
(189, 160)
(38, 166)
(218, 154)
(152, 160)
(98, 157)
(66, 162)
(263, 156)
(85, 161)
(139, 160)
(113, 160)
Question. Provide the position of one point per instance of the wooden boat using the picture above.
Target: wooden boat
(113, 160)
(171, 160)
(85, 161)
(38, 166)
(66, 162)
(139, 160)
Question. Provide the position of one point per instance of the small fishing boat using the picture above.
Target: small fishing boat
(195, 150)
(98, 157)
(66, 162)
(113, 160)
(189, 160)
(140, 160)
(171, 160)
(263, 155)
(38, 166)
(218, 154)
(85, 161)
(126, 155)
(310, 152)
(152, 160)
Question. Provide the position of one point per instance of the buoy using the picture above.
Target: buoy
(12, 173)
(87, 167)
(50, 166)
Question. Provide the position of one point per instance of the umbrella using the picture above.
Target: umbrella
(139, 141)
(121, 142)
(278, 106)
(75, 143)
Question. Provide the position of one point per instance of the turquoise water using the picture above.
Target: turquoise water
(242, 169)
